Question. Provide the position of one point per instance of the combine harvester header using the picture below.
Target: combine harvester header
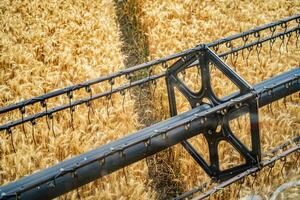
(210, 116)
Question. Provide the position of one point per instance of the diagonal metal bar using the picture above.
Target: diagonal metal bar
(59, 179)
(190, 149)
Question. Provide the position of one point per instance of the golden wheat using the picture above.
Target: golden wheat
(47, 45)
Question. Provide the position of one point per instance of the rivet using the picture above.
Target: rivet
(74, 174)
(102, 161)
(269, 92)
(147, 143)
(187, 126)
(122, 154)
(164, 135)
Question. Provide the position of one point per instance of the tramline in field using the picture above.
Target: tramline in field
(210, 115)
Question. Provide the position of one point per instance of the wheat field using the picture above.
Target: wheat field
(47, 45)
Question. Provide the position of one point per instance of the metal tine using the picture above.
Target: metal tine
(281, 37)
(70, 95)
(228, 44)
(257, 35)
(52, 123)
(111, 82)
(270, 109)
(72, 109)
(234, 61)
(235, 54)
(88, 89)
(123, 94)
(295, 163)
(289, 35)
(273, 29)
(107, 105)
(22, 110)
(44, 105)
(129, 77)
(271, 167)
(283, 160)
(33, 123)
(240, 186)
(140, 94)
(258, 46)
(284, 25)
(272, 40)
(258, 51)
(88, 104)
(271, 43)
(150, 72)
(250, 48)
(11, 139)
(165, 65)
(216, 48)
(245, 40)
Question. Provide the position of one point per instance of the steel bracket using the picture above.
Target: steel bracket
(213, 136)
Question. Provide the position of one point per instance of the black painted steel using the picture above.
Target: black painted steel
(72, 173)
(213, 138)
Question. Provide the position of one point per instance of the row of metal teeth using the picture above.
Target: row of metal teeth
(152, 79)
